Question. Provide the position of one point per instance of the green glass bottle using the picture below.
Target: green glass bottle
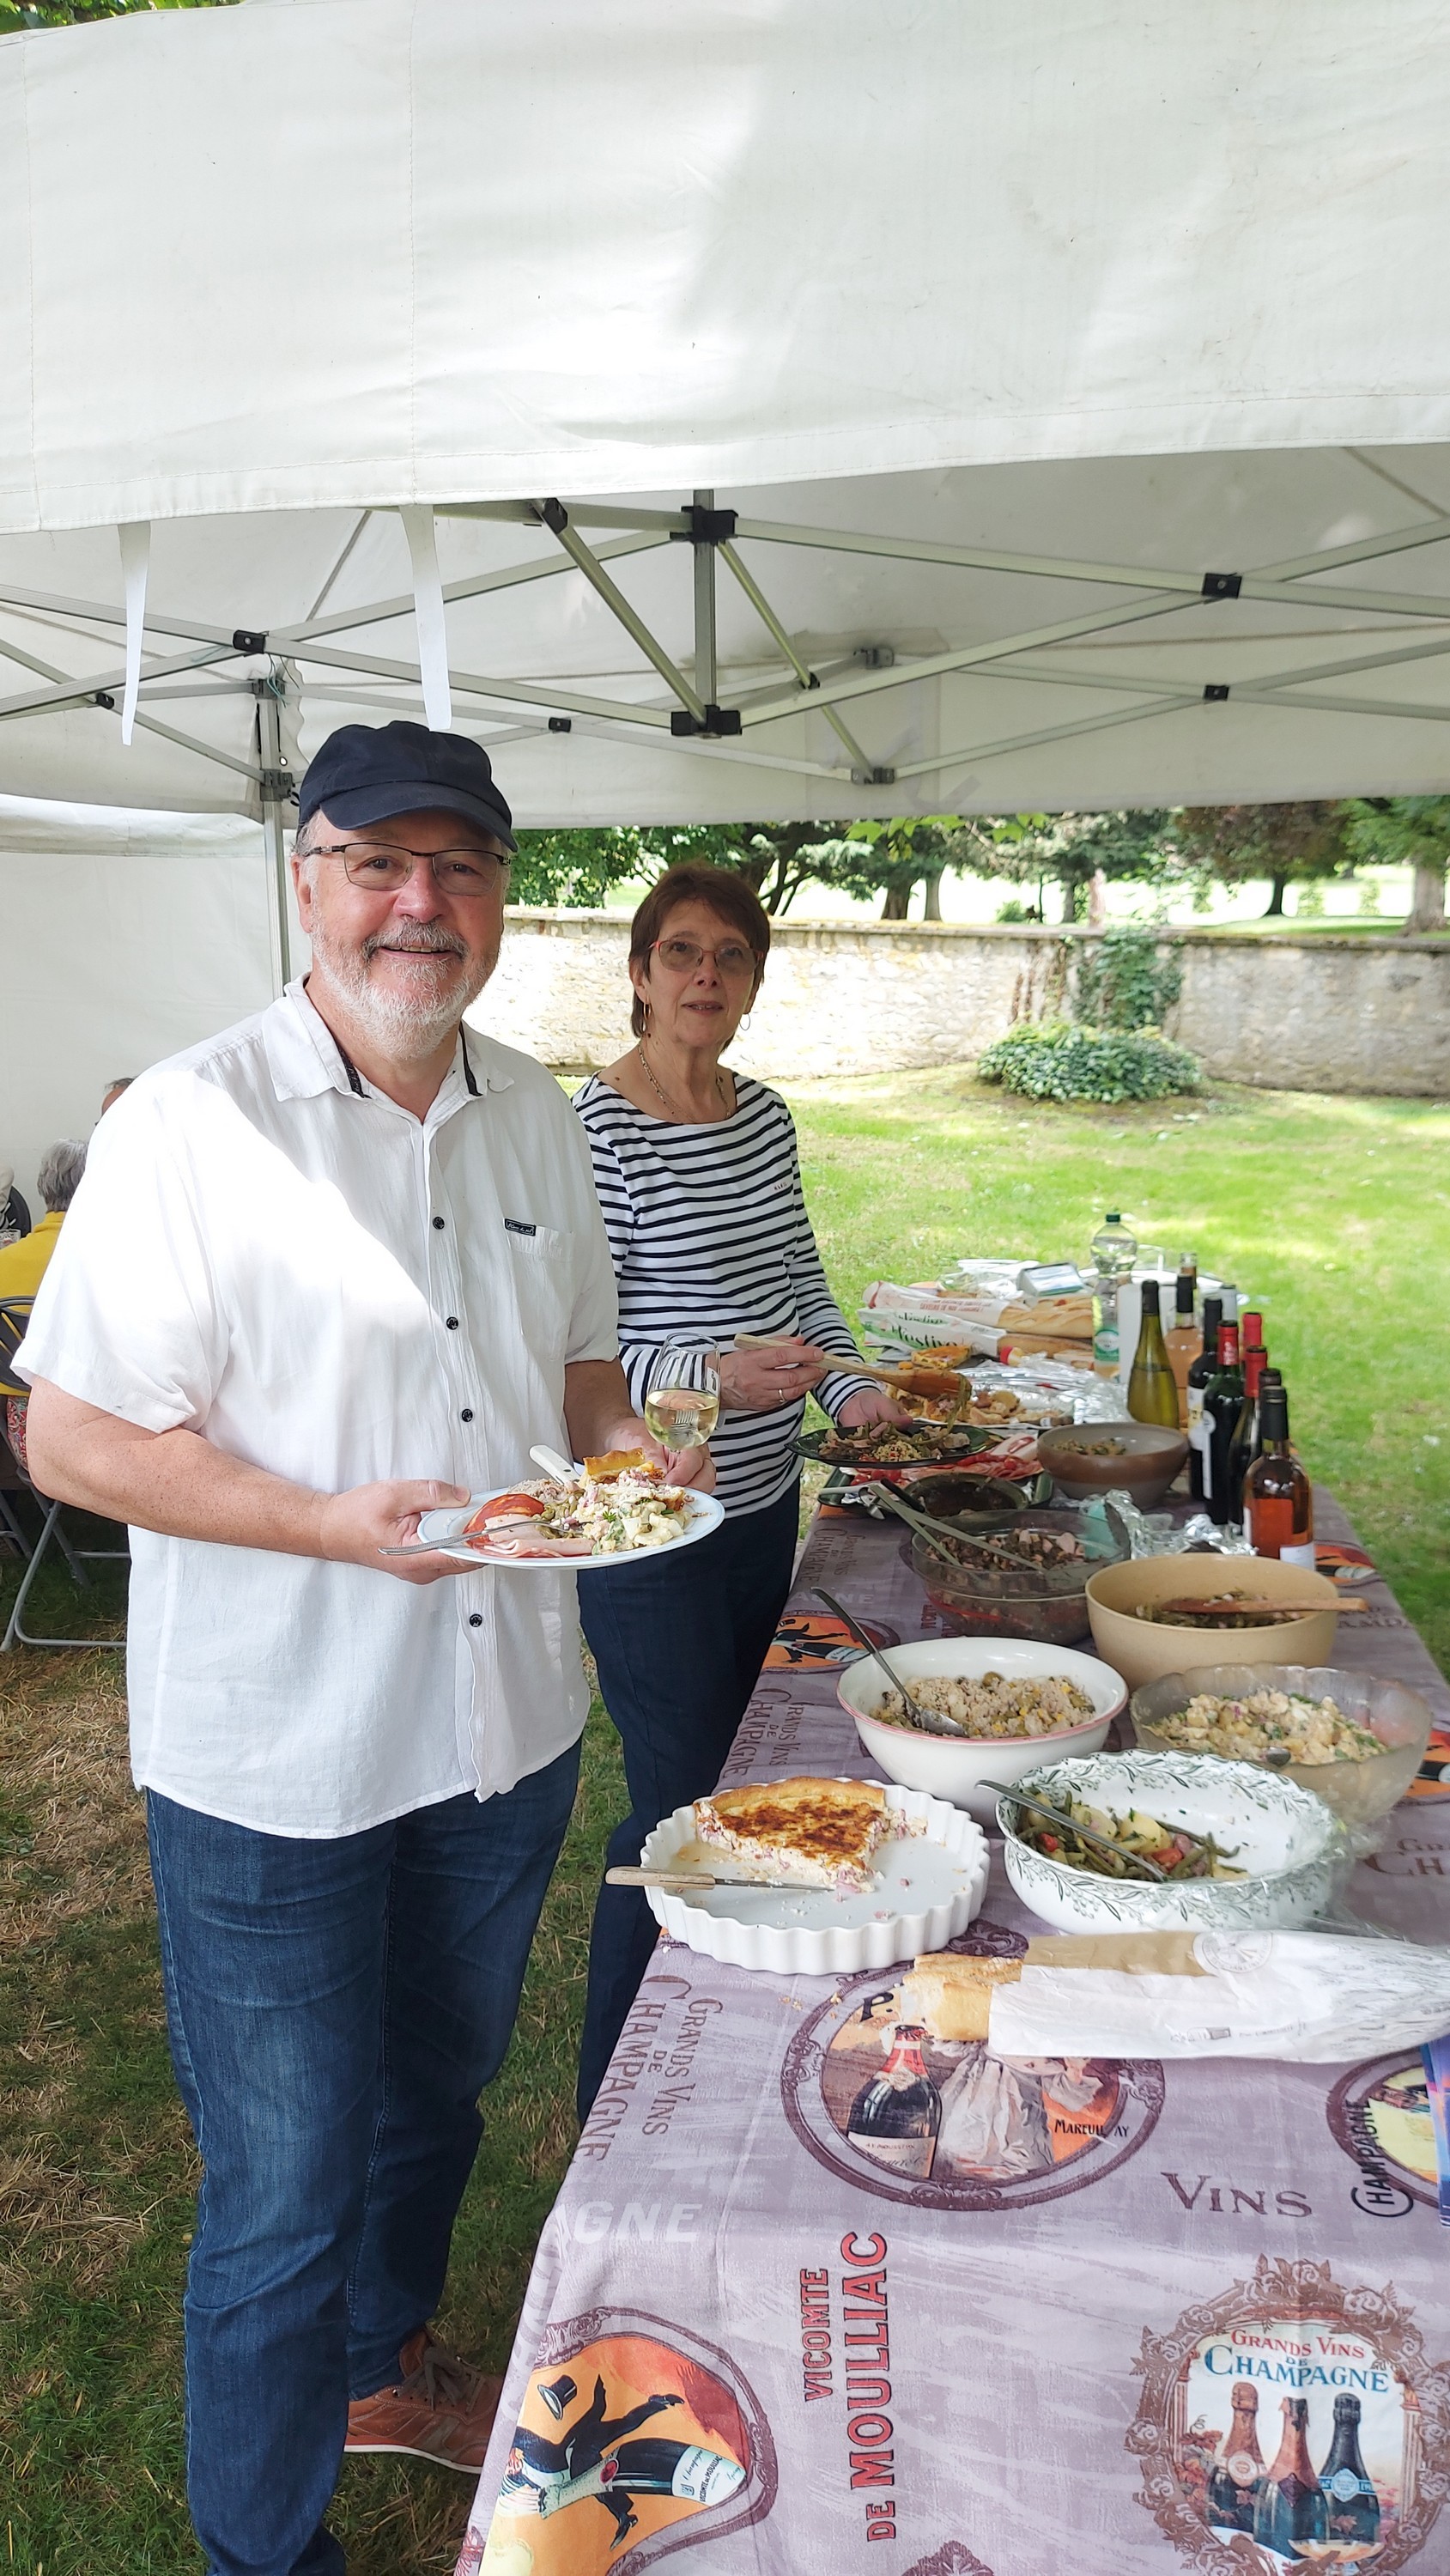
(1152, 1387)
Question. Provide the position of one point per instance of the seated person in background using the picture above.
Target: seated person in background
(113, 1091)
(22, 1266)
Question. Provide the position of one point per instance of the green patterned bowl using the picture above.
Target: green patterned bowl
(1294, 1849)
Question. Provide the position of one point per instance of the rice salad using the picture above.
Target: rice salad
(995, 1705)
(1282, 1722)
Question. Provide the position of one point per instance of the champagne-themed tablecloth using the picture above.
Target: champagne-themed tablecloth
(1075, 2334)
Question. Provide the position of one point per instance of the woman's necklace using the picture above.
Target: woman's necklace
(663, 1096)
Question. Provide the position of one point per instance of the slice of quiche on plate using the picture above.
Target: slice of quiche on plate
(802, 1832)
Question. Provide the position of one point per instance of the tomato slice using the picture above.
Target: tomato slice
(506, 1507)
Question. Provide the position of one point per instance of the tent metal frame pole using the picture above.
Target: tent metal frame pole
(872, 684)
(971, 755)
(808, 678)
(705, 635)
(596, 728)
(277, 791)
(506, 577)
(471, 684)
(556, 518)
(1203, 586)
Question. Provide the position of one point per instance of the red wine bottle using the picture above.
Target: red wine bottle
(897, 2114)
(1244, 1447)
(1222, 1402)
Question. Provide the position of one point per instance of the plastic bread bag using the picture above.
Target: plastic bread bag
(1314, 1997)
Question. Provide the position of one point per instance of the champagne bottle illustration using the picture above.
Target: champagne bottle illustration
(1291, 2505)
(897, 2114)
(1238, 2472)
(1354, 2507)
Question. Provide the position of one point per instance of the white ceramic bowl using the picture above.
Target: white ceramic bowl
(930, 1885)
(971, 1770)
(1292, 1845)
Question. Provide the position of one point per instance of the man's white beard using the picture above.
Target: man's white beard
(407, 1026)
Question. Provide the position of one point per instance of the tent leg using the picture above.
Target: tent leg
(277, 789)
(705, 656)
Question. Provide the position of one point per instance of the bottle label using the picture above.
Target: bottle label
(1244, 2469)
(1344, 2486)
(902, 2155)
(1272, 1530)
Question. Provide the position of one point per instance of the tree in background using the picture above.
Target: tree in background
(18, 16)
(1289, 844)
(1069, 850)
(890, 859)
(577, 866)
(1407, 831)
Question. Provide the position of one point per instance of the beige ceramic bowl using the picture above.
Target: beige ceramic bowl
(1142, 1651)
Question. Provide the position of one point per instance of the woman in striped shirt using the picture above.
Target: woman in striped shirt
(699, 1180)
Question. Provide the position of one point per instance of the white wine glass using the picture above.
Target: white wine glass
(682, 1397)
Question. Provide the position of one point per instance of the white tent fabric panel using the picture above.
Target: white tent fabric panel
(319, 252)
(1070, 389)
(125, 937)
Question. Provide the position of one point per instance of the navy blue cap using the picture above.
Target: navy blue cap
(367, 773)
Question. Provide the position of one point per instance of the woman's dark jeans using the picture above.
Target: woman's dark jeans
(679, 1642)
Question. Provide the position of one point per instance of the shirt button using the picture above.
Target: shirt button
(467, 1414)
(438, 1224)
(475, 1618)
(452, 1323)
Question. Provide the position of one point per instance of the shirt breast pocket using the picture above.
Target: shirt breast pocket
(543, 1266)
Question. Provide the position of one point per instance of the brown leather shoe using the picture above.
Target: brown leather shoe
(439, 2410)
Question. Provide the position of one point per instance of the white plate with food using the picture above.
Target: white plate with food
(896, 1871)
(612, 1511)
(1032, 1703)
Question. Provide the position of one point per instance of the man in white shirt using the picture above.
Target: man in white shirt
(337, 1265)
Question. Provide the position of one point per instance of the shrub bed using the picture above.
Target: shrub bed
(1053, 1060)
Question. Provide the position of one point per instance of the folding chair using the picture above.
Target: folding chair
(14, 1316)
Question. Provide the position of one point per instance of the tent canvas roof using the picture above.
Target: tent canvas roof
(1077, 379)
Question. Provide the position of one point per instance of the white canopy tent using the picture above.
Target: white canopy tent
(757, 409)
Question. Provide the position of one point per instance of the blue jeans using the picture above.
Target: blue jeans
(335, 2009)
(679, 1643)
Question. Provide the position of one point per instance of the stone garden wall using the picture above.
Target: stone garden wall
(1322, 1012)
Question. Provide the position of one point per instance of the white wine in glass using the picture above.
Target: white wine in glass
(682, 1400)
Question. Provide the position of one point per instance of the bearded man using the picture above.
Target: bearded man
(337, 1265)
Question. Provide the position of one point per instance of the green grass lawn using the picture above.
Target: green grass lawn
(1335, 1212)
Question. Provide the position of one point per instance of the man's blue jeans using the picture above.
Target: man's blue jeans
(335, 2010)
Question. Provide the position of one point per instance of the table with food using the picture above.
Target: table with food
(1028, 2148)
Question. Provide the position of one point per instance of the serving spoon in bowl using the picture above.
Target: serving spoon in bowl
(926, 1721)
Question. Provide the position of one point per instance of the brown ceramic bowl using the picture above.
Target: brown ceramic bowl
(1143, 1651)
(1144, 1466)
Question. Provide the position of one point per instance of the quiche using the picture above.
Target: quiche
(809, 1833)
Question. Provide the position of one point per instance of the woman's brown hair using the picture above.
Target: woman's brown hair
(695, 881)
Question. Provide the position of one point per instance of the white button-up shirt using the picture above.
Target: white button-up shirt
(317, 1281)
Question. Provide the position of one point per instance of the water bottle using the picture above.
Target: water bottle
(1114, 1251)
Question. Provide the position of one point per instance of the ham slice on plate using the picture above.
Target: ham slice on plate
(516, 1539)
